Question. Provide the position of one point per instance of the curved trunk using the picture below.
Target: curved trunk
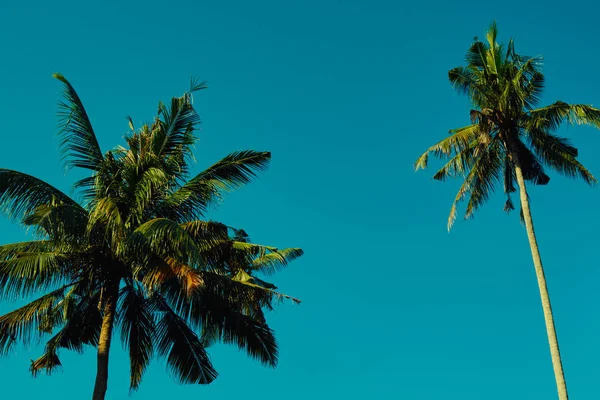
(104, 343)
(539, 272)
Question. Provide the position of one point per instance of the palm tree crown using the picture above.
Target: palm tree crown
(137, 254)
(504, 88)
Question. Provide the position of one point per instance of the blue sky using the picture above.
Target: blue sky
(346, 95)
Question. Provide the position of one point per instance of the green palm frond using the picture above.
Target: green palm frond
(81, 327)
(21, 324)
(558, 153)
(174, 132)
(459, 140)
(78, 141)
(253, 290)
(48, 362)
(461, 163)
(551, 117)
(22, 194)
(107, 214)
(191, 201)
(488, 174)
(31, 272)
(183, 349)
(137, 327)
(206, 230)
(476, 183)
(252, 249)
(250, 335)
(147, 188)
(269, 263)
(533, 170)
(166, 238)
(59, 222)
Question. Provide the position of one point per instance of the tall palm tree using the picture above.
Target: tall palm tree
(137, 254)
(510, 142)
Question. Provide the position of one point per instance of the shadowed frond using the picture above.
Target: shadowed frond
(559, 154)
(21, 324)
(488, 173)
(185, 354)
(59, 222)
(22, 194)
(137, 327)
(78, 141)
(81, 321)
(533, 170)
(191, 201)
(233, 327)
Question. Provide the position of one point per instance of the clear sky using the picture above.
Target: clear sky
(346, 95)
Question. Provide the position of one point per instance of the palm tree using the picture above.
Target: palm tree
(137, 253)
(509, 142)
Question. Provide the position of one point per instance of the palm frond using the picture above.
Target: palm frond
(477, 182)
(165, 238)
(459, 140)
(106, 213)
(177, 342)
(488, 170)
(549, 118)
(82, 323)
(174, 133)
(559, 154)
(48, 362)
(233, 327)
(21, 324)
(22, 194)
(27, 272)
(152, 181)
(232, 172)
(269, 263)
(137, 327)
(78, 141)
(461, 163)
(533, 170)
(59, 222)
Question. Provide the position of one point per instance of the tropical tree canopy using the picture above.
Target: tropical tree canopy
(137, 245)
(505, 88)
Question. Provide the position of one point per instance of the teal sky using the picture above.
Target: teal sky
(346, 95)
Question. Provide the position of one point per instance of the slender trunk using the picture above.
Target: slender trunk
(539, 272)
(108, 318)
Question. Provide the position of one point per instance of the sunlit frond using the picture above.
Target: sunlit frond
(459, 140)
(549, 118)
(269, 263)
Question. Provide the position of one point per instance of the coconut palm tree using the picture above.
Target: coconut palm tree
(510, 142)
(137, 254)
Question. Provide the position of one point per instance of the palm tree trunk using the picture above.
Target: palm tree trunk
(539, 272)
(104, 343)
